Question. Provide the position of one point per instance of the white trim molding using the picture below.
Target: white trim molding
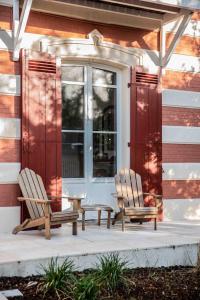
(181, 171)
(180, 98)
(88, 49)
(10, 128)
(181, 209)
(10, 84)
(9, 172)
(9, 218)
(180, 135)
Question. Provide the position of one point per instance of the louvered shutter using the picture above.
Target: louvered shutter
(41, 120)
(146, 129)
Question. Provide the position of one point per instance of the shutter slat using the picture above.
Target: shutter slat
(42, 66)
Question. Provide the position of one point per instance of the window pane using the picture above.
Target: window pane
(104, 109)
(72, 155)
(71, 73)
(72, 107)
(104, 155)
(100, 76)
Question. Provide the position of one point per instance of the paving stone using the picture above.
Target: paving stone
(11, 293)
(2, 297)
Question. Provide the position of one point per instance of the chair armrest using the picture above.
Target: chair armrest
(57, 197)
(120, 200)
(38, 201)
(153, 195)
(156, 197)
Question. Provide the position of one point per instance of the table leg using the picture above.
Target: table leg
(99, 217)
(108, 220)
(83, 220)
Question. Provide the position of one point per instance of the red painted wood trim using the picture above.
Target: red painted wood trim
(10, 106)
(181, 189)
(181, 81)
(180, 153)
(10, 150)
(178, 116)
(9, 194)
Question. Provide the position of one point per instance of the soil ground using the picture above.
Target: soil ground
(177, 283)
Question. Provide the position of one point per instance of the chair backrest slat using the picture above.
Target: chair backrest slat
(128, 184)
(139, 189)
(26, 193)
(32, 187)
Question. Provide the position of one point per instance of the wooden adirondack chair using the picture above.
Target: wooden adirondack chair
(130, 198)
(39, 206)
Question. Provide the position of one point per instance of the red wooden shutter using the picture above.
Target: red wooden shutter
(41, 120)
(146, 129)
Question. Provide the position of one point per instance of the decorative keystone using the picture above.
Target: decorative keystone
(96, 37)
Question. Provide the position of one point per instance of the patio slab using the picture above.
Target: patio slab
(172, 244)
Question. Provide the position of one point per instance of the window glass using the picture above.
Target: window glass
(73, 73)
(72, 107)
(104, 155)
(72, 155)
(100, 76)
(104, 109)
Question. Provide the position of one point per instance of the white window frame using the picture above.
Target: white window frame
(88, 159)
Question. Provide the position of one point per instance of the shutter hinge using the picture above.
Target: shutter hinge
(129, 144)
(129, 85)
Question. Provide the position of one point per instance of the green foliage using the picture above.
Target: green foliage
(110, 271)
(87, 288)
(59, 278)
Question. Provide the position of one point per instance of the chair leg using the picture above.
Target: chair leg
(155, 224)
(47, 228)
(99, 217)
(20, 227)
(83, 220)
(74, 228)
(117, 217)
(108, 220)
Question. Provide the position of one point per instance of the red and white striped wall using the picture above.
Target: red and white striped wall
(181, 107)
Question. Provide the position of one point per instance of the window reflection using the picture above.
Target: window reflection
(100, 76)
(72, 107)
(104, 154)
(104, 109)
(72, 155)
(72, 73)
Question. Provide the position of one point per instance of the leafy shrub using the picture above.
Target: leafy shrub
(110, 271)
(58, 278)
(87, 288)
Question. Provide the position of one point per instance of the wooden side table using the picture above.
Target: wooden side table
(92, 207)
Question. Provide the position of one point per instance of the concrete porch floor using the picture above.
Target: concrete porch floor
(172, 244)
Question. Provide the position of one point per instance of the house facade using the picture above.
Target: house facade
(90, 87)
